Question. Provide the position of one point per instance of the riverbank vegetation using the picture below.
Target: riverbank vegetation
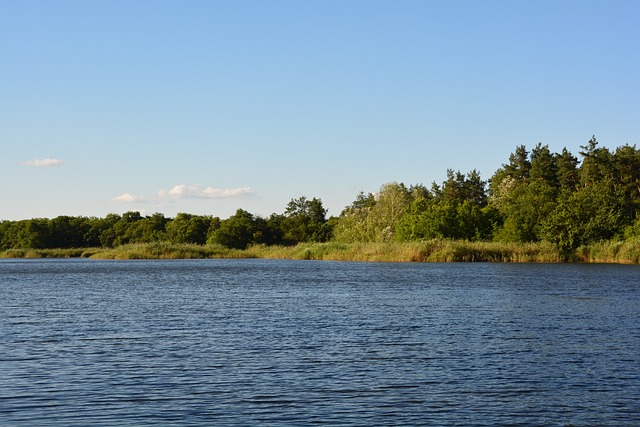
(539, 206)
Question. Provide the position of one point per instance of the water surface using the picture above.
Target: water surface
(264, 342)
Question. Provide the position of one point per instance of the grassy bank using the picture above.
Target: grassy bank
(427, 251)
(50, 253)
(166, 250)
(158, 250)
(627, 251)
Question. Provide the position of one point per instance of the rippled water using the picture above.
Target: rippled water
(262, 342)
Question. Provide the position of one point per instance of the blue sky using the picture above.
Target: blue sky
(209, 106)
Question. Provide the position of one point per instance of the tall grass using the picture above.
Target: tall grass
(166, 250)
(627, 251)
(49, 253)
(427, 251)
(440, 250)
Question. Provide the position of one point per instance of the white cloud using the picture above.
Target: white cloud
(127, 198)
(43, 162)
(200, 192)
(226, 192)
(184, 192)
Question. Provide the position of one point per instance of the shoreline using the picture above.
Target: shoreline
(620, 252)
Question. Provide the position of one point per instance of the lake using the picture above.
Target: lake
(301, 343)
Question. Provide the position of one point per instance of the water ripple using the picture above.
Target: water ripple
(254, 342)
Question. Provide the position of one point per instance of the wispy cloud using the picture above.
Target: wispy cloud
(128, 198)
(186, 192)
(43, 162)
(196, 191)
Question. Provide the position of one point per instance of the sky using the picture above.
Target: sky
(205, 106)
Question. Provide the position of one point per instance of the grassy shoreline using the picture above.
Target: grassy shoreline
(427, 251)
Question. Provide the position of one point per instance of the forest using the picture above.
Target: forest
(536, 196)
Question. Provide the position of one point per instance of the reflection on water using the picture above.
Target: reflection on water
(257, 342)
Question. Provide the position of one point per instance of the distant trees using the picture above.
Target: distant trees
(590, 214)
(374, 217)
(455, 209)
(538, 195)
(553, 197)
(40, 233)
(237, 232)
(305, 221)
(186, 228)
(354, 224)
(110, 231)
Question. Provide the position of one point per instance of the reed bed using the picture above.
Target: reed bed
(166, 250)
(49, 253)
(426, 251)
(624, 252)
(440, 250)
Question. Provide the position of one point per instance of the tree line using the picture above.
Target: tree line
(538, 195)
(303, 220)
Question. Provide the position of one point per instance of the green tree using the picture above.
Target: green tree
(626, 163)
(7, 235)
(411, 226)
(453, 210)
(567, 170)
(187, 228)
(33, 234)
(272, 232)
(148, 229)
(305, 221)
(355, 222)
(510, 175)
(523, 210)
(519, 165)
(102, 231)
(235, 232)
(589, 215)
(362, 201)
(544, 166)
(459, 188)
(121, 228)
(428, 220)
(473, 222)
(633, 230)
(391, 203)
(597, 163)
(68, 232)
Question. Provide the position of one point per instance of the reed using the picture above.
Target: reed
(425, 251)
(463, 251)
(49, 253)
(166, 250)
(624, 252)
(438, 250)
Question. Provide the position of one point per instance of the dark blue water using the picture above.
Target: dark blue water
(259, 342)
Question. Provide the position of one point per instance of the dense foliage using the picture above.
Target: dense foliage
(303, 221)
(538, 196)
